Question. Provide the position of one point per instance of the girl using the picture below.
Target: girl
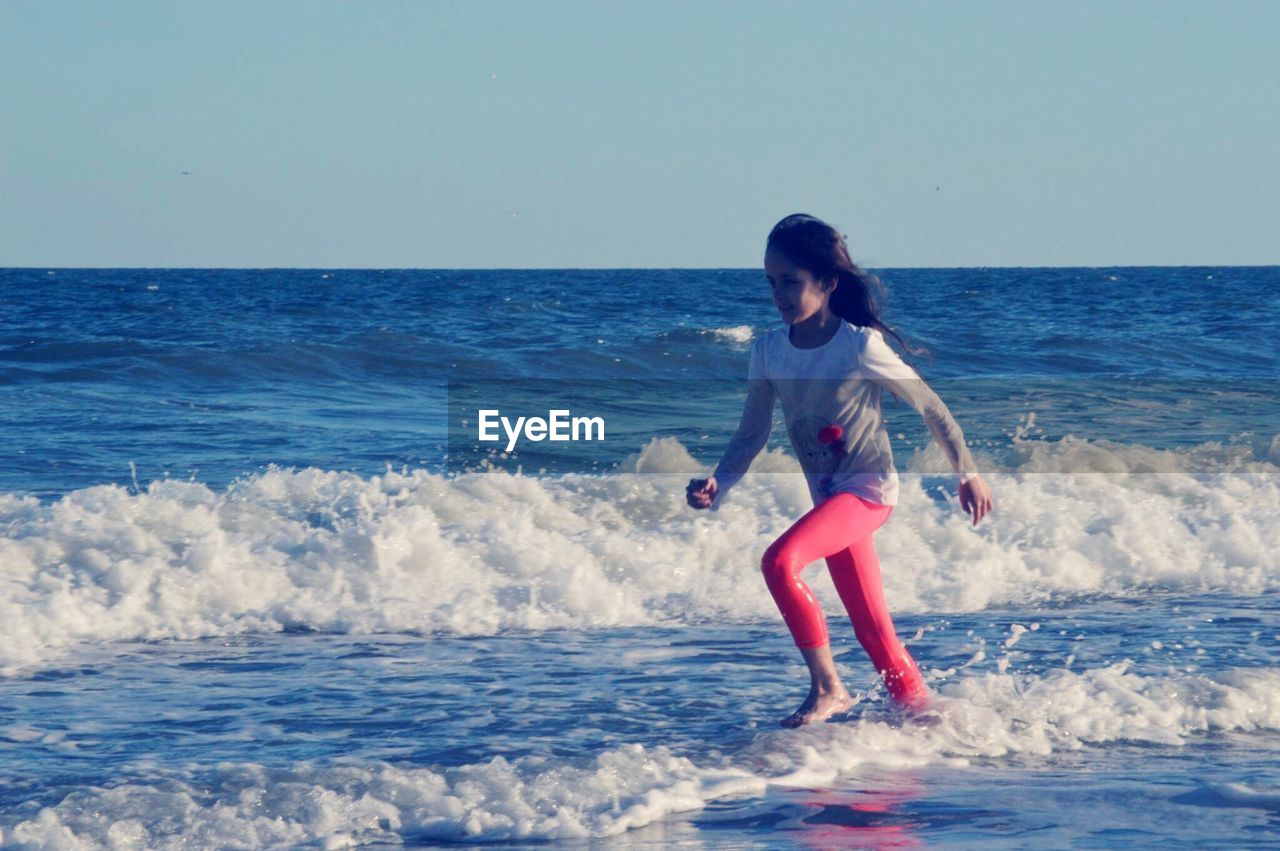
(829, 364)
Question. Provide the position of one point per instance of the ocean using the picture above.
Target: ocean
(262, 585)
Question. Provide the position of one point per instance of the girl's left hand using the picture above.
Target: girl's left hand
(975, 498)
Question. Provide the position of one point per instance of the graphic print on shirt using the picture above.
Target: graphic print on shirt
(806, 439)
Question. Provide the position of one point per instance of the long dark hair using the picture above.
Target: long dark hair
(820, 249)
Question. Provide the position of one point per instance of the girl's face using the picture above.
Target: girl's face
(796, 293)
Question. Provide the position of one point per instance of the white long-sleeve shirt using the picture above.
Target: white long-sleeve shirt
(837, 384)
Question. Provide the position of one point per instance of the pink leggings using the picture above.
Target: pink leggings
(841, 529)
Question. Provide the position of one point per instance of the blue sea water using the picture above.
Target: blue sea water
(261, 587)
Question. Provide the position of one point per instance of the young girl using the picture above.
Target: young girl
(829, 364)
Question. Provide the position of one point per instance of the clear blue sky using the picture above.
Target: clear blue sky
(636, 134)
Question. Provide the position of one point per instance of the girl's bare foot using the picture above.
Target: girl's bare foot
(819, 706)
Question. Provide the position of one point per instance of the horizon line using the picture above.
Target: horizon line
(599, 268)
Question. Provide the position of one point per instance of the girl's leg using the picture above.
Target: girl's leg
(856, 574)
(826, 530)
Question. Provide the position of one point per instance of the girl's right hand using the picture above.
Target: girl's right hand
(701, 492)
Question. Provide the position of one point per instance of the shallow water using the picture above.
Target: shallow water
(1042, 726)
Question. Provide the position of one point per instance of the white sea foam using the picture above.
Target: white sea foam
(735, 333)
(1244, 795)
(356, 802)
(491, 551)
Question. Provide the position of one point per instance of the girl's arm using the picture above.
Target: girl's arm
(884, 367)
(753, 429)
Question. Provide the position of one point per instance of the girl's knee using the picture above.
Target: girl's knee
(778, 560)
